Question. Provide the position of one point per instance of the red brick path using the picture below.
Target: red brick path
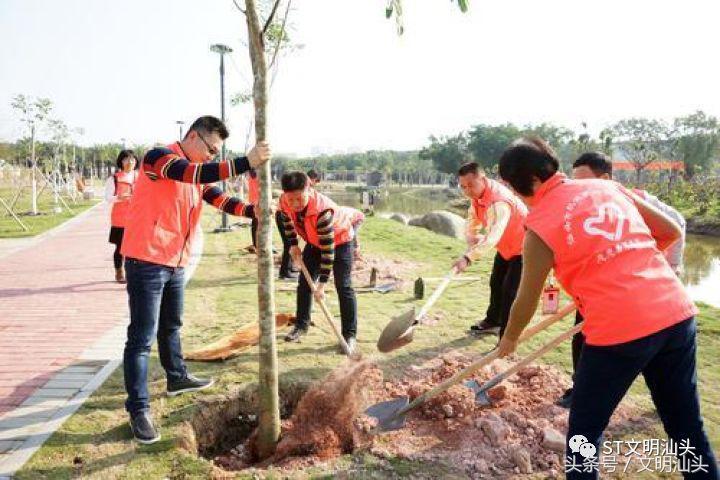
(57, 298)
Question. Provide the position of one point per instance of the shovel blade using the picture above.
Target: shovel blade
(481, 397)
(397, 333)
(386, 414)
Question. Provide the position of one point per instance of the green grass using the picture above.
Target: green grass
(46, 218)
(223, 296)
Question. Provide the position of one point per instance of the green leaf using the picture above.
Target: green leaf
(388, 11)
(463, 4)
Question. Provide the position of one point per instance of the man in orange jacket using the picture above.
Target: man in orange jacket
(329, 247)
(164, 212)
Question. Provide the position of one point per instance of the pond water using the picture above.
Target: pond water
(702, 253)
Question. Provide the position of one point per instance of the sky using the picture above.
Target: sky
(131, 69)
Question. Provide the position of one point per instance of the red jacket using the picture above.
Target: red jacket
(342, 219)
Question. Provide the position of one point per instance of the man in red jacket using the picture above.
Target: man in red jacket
(164, 212)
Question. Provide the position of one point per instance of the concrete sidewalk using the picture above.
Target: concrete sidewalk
(62, 328)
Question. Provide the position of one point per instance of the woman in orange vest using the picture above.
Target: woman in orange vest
(605, 244)
(495, 222)
(329, 247)
(118, 190)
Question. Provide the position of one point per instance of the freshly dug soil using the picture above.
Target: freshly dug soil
(523, 432)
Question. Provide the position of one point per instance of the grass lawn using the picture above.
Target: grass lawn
(223, 296)
(44, 221)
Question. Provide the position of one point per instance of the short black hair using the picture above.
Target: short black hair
(208, 125)
(598, 162)
(526, 159)
(470, 167)
(294, 181)
(123, 155)
(313, 175)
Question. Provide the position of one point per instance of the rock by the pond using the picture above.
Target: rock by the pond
(442, 222)
(400, 217)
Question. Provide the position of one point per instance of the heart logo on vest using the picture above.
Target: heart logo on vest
(609, 222)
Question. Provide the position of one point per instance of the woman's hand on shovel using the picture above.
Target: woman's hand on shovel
(506, 346)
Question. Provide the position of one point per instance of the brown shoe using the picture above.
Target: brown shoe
(120, 275)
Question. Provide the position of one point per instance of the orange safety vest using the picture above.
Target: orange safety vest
(124, 183)
(342, 219)
(511, 242)
(254, 190)
(164, 215)
(607, 260)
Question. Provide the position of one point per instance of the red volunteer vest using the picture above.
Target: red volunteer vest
(254, 190)
(607, 260)
(123, 186)
(511, 242)
(342, 219)
(164, 216)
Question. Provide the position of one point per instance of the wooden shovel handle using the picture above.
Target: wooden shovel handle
(328, 315)
(530, 358)
(436, 294)
(486, 359)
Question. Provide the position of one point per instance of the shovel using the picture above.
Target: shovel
(399, 331)
(481, 396)
(328, 315)
(390, 414)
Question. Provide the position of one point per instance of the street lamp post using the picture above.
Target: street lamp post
(180, 123)
(222, 50)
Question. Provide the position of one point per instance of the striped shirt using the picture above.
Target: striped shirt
(163, 163)
(326, 234)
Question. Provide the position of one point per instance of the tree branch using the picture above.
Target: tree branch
(270, 18)
(238, 7)
(281, 36)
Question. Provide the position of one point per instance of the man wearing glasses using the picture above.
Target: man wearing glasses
(164, 212)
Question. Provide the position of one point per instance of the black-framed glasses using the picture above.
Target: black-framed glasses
(211, 150)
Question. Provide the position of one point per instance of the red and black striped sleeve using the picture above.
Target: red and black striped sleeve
(164, 163)
(326, 237)
(289, 229)
(232, 205)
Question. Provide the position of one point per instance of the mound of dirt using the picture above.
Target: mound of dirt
(522, 432)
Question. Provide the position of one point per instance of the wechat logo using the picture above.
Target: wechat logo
(579, 444)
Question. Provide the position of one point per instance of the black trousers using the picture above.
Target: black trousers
(286, 266)
(667, 361)
(504, 284)
(342, 274)
(254, 230)
(578, 341)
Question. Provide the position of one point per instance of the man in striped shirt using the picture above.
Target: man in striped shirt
(329, 247)
(163, 216)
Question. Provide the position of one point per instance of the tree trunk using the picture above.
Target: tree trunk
(269, 414)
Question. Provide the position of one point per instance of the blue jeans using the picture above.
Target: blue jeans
(666, 360)
(155, 295)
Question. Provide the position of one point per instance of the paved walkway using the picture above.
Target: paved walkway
(62, 322)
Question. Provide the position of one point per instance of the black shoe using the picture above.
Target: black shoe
(566, 400)
(295, 334)
(188, 384)
(143, 429)
(484, 328)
